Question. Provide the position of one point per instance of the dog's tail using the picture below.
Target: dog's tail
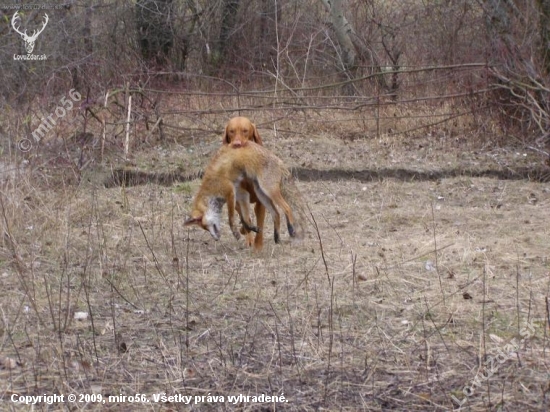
(294, 198)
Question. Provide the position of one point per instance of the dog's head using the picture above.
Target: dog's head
(240, 130)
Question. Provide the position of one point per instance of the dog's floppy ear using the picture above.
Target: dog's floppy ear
(257, 138)
(225, 137)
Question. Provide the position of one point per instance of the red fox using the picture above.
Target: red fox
(222, 184)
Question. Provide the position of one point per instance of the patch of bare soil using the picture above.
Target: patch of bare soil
(421, 285)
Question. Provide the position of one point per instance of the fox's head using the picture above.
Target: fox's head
(208, 216)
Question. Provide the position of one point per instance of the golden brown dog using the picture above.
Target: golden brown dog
(238, 132)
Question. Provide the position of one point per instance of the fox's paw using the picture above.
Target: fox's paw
(236, 234)
(249, 228)
(291, 230)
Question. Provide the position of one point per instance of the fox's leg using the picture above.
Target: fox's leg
(281, 202)
(243, 208)
(267, 202)
(231, 213)
(276, 224)
(259, 210)
(248, 235)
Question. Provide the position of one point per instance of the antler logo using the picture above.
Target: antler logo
(29, 40)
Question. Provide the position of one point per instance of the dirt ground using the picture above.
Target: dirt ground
(421, 285)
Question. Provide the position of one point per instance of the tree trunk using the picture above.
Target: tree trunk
(544, 7)
(343, 31)
(269, 17)
(229, 20)
(352, 48)
(154, 21)
(521, 79)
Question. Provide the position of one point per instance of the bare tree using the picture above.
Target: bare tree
(344, 32)
(154, 21)
(356, 49)
(227, 26)
(519, 72)
(544, 7)
(350, 50)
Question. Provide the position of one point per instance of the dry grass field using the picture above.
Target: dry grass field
(423, 278)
